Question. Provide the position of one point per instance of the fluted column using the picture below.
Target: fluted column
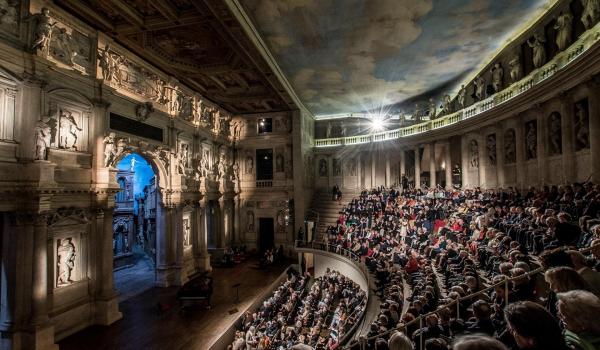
(432, 174)
(448, 165)
(417, 168)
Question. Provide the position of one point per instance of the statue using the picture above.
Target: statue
(591, 12)
(497, 76)
(237, 129)
(132, 164)
(279, 163)
(480, 88)
(183, 163)
(64, 43)
(531, 141)
(539, 52)
(564, 28)
(446, 105)
(65, 261)
(515, 68)
(43, 30)
(328, 133)
(462, 96)
(337, 167)
(110, 64)
(68, 131)
(510, 147)
(42, 138)
(474, 150)
(582, 131)
(417, 113)
(432, 109)
(110, 150)
(143, 110)
(8, 14)
(555, 134)
(249, 165)
(456, 176)
(250, 221)
(323, 168)
(351, 167)
(491, 148)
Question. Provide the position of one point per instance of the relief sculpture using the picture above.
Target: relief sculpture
(65, 261)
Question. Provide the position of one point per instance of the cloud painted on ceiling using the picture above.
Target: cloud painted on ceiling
(345, 56)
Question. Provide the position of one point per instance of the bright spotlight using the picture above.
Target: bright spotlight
(377, 124)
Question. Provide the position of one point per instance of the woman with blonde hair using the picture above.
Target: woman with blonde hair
(562, 279)
(399, 341)
(579, 310)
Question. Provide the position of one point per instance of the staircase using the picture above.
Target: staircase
(328, 209)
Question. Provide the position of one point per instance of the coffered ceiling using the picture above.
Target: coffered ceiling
(199, 42)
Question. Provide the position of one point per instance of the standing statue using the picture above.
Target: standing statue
(510, 147)
(68, 131)
(591, 12)
(555, 134)
(64, 43)
(539, 51)
(491, 148)
(432, 109)
(65, 261)
(43, 30)
(582, 131)
(323, 168)
(42, 138)
(474, 149)
(497, 76)
(480, 87)
(446, 105)
(531, 141)
(564, 29)
(417, 113)
(250, 221)
(110, 150)
(516, 71)
(462, 96)
(183, 159)
(110, 63)
(249, 165)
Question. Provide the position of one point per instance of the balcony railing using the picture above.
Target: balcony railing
(264, 183)
(538, 76)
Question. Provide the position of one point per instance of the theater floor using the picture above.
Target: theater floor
(142, 327)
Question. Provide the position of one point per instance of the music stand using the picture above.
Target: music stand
(237, 292)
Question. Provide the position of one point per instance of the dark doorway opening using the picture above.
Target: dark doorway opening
(264, 164)
(266, 234)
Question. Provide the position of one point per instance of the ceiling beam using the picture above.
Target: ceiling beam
(161, 23)
(80, 7)
(166, 9)
(129, 13)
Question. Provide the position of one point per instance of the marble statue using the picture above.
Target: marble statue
(432, 109)
(162, 154)
(110, 149)
(237, 130)
(531, 141)
(8, 15)
(279, 163)
(581, 125)
(183, 160)
(323, 168)
(480, 86)
(337, 167)
(474, 154)
(236, 171)
(446, 105)
(43, 30)
(497, 76)
(42, 138)
(516, 71)
(417, 113)
(462, 96)
(555, 134)
(249, 165)
(351, 167)
(132, 164)
(491, 149)
(591, 13)
(539, 51)
(564, 29)
(510, 147)
(110, 64)
(186, 232)
(250, 221)
(64, 46)
(68, 131)
(65, 261)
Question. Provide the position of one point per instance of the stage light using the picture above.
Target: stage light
(377, 124)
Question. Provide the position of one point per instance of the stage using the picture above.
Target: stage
(143, 328)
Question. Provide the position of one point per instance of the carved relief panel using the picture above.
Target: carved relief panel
(10, 16)
(68, 123)
(67, 230)
(8, 92)
(187, 230)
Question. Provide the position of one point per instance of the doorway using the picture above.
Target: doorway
(266, 234)
(134, 226)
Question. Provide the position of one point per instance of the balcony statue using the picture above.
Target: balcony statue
(497, 76)
(563, 27)
(591, 13)
(516, 72)
(539, 52)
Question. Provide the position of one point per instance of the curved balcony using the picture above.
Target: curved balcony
(537, 77)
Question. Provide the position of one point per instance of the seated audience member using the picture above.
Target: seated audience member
(591, 277)
(560, 280)
(477, 342)
(579, 311)
(399, 341)
(533, 327)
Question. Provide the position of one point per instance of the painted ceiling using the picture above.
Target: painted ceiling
(346, 56)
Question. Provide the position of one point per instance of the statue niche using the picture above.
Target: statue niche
(323, 168)
(581, 124)
(531, 140)
(474, 154)
(65, 261)
(510, 147)
(491, 148)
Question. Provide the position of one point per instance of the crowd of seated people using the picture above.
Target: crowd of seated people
(315, 313)
(477, 263)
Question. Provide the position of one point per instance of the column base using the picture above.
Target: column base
(107, 311)
(167, 276)
(38, 338)
(203, 263)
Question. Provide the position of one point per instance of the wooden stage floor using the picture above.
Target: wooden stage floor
(142, 328)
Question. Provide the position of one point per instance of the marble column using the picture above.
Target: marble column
(542, 138)
(201, 254)
(568, 147)
(39, 303)
(388, 181)
(417, 168)
(594, 127)
(465, 161)
(30, 112)
(483, 162)
(432, 174)
(107, 306)
(448, 165)
(402, 164)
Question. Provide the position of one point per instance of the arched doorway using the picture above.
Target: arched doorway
(135, 226)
